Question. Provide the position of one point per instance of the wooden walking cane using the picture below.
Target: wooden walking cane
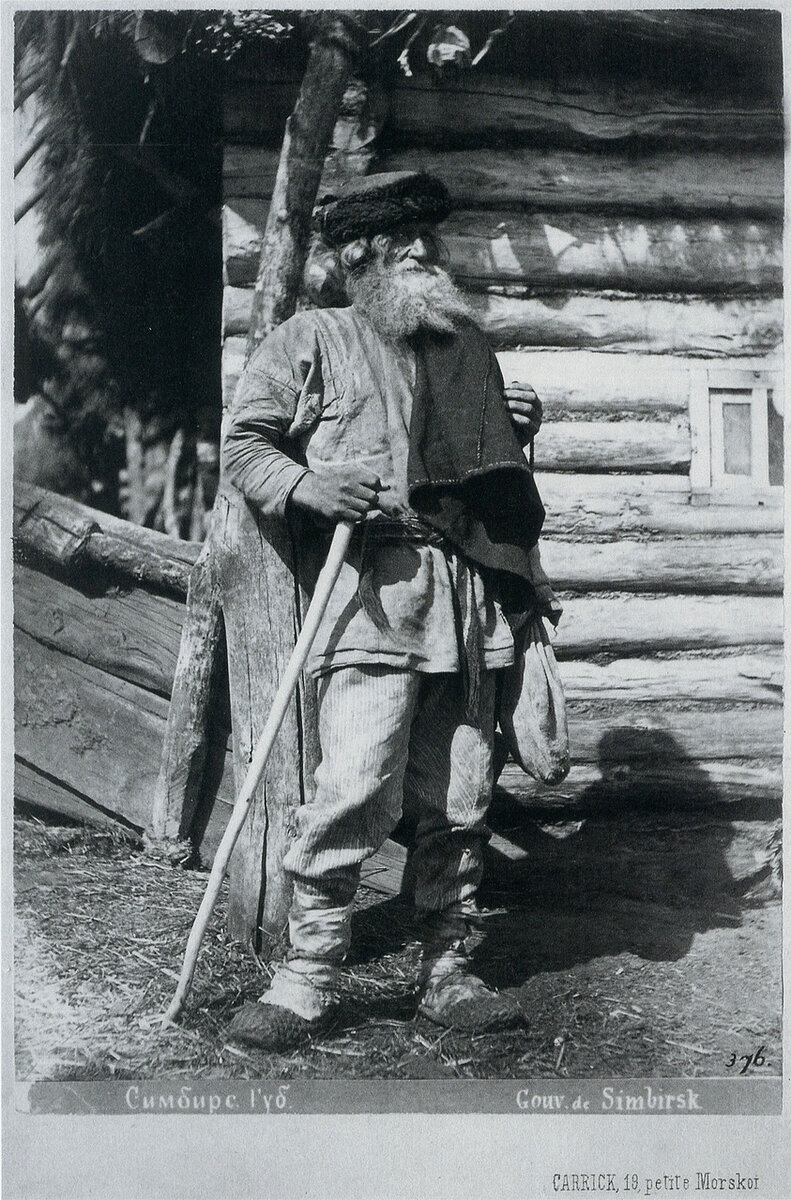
(288, 684)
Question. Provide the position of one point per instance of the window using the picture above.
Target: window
(736, 419)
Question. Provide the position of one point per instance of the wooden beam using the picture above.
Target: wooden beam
(729, 679)
(624, 624)
(259, 597)
(472, 109)
(749, 565)
(179, 785)
(605, 321)
(649, 734)
(638, 254)
(476, 109)
(99, 739)
(571, 249)
(613, 446)
(699, 783)
(659, 183)
(69, 535)
(133, 635)
(98, 734)
(44, 792)
(709, 328)
(607, 506)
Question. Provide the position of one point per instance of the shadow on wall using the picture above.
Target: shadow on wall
(640, 865)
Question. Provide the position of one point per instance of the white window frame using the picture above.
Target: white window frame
(708, 480)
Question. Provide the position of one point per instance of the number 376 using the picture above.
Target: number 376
(750, 1060)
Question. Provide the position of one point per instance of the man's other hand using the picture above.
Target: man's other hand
(343, 493)
(526, 410)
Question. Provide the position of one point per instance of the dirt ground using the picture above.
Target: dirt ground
(615, 988)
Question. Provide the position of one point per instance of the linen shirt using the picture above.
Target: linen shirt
(326, 387)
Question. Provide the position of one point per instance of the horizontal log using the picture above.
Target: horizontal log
(626, 625)
(567, 250)
(593, 321)
(615, 731)
(750, 565)
(595, 382)
(474, 109)
(662, 446)
(730, 678)
(95, 734)
(471, 109)
(709, 328)
(631, 253)
(134, 635)
(696, 784)
(605, 506)
(662, 182)
(69, 535)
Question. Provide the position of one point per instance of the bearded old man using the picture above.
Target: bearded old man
(392, 413)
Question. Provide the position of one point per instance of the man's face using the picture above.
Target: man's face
(412, 248)
(404, 288)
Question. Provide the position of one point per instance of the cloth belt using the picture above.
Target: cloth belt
(469, 634)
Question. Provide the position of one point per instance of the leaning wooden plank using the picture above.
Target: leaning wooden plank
(750, 565)
(134, 635)
(98, 734)
(638, 625)
(70, 535)
(724, 182)
(43, 791)
(726, 678)
(260, 609)
(474, 108)
(662, 446)
(179, 784)
(606, 506)
(546, 249)
(698, 783)
(592, 321)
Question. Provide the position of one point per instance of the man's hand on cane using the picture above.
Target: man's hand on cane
(342, 493)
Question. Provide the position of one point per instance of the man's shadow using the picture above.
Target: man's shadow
(636, 862)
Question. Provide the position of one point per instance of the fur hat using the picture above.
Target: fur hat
(380, 204)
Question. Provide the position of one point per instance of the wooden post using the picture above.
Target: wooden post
(337, 41)
(247, 573)
(257, 557)
(183, 760)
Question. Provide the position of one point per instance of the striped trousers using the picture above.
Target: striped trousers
(390, 738)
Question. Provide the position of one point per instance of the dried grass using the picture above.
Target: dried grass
(101, 931)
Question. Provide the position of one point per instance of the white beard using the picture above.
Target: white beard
(399, 300)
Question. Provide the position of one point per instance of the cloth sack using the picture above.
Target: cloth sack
(532, 710)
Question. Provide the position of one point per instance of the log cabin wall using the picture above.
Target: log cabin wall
(621, 240)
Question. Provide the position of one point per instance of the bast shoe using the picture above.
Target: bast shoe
(274, 1028)
(460, 1000)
